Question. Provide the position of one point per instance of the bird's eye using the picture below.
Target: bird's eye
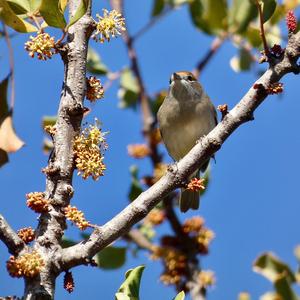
(190, 78)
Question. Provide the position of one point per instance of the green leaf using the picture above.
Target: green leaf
(67, 242)
(8, 16)
(131, 286)
(209, 16)
(241, 13)
(269, 7)
(242, 62)
(272, 268)
(253, 36)
(34, 5)
(50, 11)
(180, 296)
(111, 258)
(81, 10)
(129, 90)
(158, 100)
(273, 35)
(135, 187)
(283, 288)
(158, 7)
(94, 63)
(48, 120)
(19, 6)
(63, 4)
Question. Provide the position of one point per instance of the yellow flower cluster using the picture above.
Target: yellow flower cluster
(94, 89)
(50, 129)
(175, 264)
(193, 225)
(26, 234)
(138, 150)
(111, 24)
(43, 45)
(155, 217)
(206, 278)
(77, 217)
(26, 265)
(36, 202)
(88, 148)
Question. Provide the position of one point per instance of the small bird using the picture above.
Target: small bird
(186, 115)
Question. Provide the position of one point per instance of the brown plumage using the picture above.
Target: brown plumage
(185, 116)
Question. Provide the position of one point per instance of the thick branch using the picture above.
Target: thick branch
(10, 238)
(59, 188)
(207, 146)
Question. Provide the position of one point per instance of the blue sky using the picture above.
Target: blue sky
(252, 203)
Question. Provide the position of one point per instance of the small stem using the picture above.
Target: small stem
(11, 66)
(262, 30)
(215, 45)
(153, 21)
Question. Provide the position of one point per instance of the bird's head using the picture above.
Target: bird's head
(184, 84)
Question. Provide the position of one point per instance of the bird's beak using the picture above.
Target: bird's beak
(175, 76)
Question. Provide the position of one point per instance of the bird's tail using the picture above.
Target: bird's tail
(189, 199)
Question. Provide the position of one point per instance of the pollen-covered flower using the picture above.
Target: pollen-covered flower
(138, 150)
(155, 217)
(77, 217)
(89, 147)
(26, 265)
(196, 185)
(37, 202)
(193, 225)
(50, 129)
(43, 45)
(26, 234)
(291, 21)
(206, 278)
(94, 89)
(69, 282)
(275, 88)
(111, 24)
(205, 236)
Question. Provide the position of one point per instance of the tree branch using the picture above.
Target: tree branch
(215, 45)
(207, 146)
(148, 119)
(10, 238)
(59, 188)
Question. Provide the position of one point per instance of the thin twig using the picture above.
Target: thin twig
(262, 30)
(148, 119)
(215, 45)
(11, 66)
(153, 21)
(10, 238)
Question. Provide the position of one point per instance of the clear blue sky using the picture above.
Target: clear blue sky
(252, 203)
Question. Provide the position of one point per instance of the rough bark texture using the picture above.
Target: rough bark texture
(59, 188)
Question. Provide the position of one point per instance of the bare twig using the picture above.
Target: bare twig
(215, 45)
(262, 30)
(148, 119)
(10, 238)
(153, 21)
(208, 145)
(11, 66)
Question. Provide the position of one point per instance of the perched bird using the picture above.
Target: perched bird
(186, 115)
